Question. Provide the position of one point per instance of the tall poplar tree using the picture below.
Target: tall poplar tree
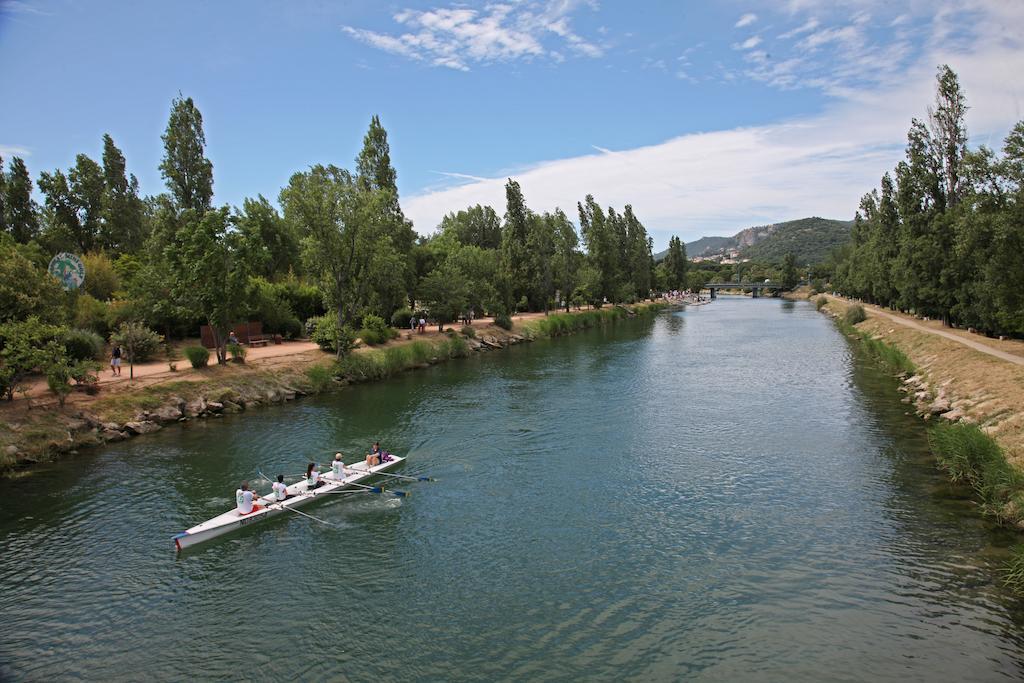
(189, 174)
(21, 210)
(123, 218)
(514, 244)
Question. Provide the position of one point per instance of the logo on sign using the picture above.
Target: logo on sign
(69, 269)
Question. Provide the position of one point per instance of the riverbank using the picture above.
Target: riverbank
(34, 431)
(958, 378)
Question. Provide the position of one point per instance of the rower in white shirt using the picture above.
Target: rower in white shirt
(280, 489)
(312, 477)
(338, 467)
(245, 500)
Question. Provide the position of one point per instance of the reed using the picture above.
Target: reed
(972, 457)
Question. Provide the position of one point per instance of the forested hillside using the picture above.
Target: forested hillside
(810, 240)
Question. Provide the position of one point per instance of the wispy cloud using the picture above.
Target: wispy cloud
(746, 20)
(457, 37)
(748, 44)
(8, 151)
(808, 25)
(19, 7)
(720, 181)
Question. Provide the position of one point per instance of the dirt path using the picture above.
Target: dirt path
(958, 336)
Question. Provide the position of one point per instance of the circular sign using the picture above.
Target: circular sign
(68, 269)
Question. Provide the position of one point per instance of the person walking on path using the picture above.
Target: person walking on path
(115, 360)
(423, 325)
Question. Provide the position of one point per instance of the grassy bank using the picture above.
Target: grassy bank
(975, 438)
(41, 434)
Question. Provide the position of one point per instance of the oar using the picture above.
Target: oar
(388, 474)
(378, 489)
(300, 512)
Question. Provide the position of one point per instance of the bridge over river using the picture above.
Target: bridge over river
(755, 287)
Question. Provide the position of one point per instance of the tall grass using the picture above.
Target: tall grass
(972, 457)
(885, 354)
(381, 363)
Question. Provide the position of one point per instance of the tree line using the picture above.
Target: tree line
(338, 255)
(943, 235)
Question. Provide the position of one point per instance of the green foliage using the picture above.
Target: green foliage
(101, 280)
(91, 314)
(305, 300)
(401, 318)
(503, 320)
(809, 240)
(27, 346)
(790, 277)
(558, 324)
(329, 337)
(198, 356)
(138, 341)
(445, 292)
(188, 173)
(26, 289)
(320, 378)
(20, 214)
(83, 345)
(820, 302)
(266, 304)
(61, 371)
(972, 457)
(468, 332)
(676, 264)
(854, 314)
(375, 330)
(270, 243)
(237, 352)
(477, 226)
(1013, 573)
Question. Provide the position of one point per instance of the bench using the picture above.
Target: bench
(259, 340)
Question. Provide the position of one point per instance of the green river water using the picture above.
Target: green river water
(727, 493)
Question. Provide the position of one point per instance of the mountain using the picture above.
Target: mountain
(809, 239)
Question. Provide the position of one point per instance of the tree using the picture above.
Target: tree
(446, 292)
(26, 289)
(26, 346)
(638, 254)
(270, 242)
(21, 212)
(477, 226)
(3, 199)
(601, 248)
(567, 258)
(189, 174)
(122, 210)
(210, 274)
(540, 244)
(790, 276)
(676, 264)
(949, 131)
(134, 336)
(342, 236)
(101, 281)
(514, 236)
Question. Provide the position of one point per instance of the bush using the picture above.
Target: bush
(267, 305)
(328, 337)
(237, 352)
(92, 314)
(198, 356)
(468, 331)
(305, 301)
(138, 341)
(320, 378)
(102, 279)
(291, 328)
(820, 302)
(83, 345)
(503, 320)
(401, 318)
(855, 314)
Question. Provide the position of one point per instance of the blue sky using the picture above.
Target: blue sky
(707, 117)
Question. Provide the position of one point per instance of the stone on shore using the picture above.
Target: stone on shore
(145, 427)
(195, 407)
(166, 413)
(939, 406)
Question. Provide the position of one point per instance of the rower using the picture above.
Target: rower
(374, 457)
(312, 477)
(245, 500)
(280, 489)
(338, 467)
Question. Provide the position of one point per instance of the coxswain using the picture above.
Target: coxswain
(280, 489)
(246, 499)
(312, 477)
(338, 467)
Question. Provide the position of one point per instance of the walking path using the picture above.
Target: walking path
(957, 336)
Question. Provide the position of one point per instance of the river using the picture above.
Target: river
(725, 493)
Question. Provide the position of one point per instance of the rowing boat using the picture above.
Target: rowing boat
(268, 507)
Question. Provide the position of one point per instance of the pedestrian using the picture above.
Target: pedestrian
(412, 323)
(115, 360)
(423, 325)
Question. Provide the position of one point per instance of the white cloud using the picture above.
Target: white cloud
(746, 20)
(808, 25)
(8, 151)
(717, 182)
(457, 37)
(748, 44)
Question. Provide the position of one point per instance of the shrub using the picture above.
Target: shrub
(328, 337)
(855, 314)
(102, 280)
(468, 331)
(198, 356)
(305, 301)
(267, 305)
(320, 377)
(503, 320)
(820, 302)
(92, 314)
(237, 352)
(401, 318)
(138, 341)
(83, 345)
(291, 328)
